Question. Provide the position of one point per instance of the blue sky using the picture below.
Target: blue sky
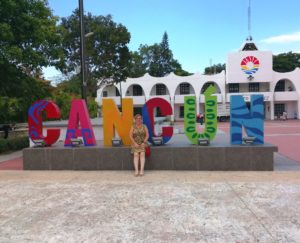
(199, 30)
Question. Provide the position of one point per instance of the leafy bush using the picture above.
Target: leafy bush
(12, 144)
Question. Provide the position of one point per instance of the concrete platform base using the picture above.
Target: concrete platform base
(177, 155)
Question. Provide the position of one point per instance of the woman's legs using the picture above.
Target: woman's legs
(136, 163)
(142, 159)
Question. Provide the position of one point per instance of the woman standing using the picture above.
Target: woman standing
(139, 136)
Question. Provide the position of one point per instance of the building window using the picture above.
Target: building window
(137, 90)
(280, 86)
(158, 112)
(253, 87)
(206, 85)
(161, 89)
(181, 112)
(104, 94)
(234, 88)
(279, 109)
(184, 88)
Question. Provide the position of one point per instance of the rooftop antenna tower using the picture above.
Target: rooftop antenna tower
(249, 22)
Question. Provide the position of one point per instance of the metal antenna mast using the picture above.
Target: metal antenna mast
(249, 22)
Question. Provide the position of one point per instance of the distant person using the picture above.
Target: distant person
(139, 136)
(201, 118)
(284, 116)
(6, 128)
(198, 118)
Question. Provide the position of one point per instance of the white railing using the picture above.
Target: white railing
(137, 100)
(286, 96)
(268, 96)
(165, 97)
(179, 99)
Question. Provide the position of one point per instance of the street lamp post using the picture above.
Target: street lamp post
(82, 54)
(120, 83)
(86, 60)
(120, 97)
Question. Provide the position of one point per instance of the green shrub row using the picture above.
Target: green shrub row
(12, 144)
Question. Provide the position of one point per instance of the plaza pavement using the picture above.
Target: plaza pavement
(162, 206)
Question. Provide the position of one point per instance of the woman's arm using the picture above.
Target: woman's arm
(147, 134)
(131, 137)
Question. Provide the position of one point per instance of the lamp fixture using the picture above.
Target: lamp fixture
(157, 141)
(116, 142)
(76, 142)
(248, 140)
(38, 143)
(203, 142)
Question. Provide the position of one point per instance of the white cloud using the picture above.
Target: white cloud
(282, 39)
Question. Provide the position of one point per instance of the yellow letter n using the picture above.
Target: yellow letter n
(113, 120)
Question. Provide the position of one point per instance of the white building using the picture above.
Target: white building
(248, 72)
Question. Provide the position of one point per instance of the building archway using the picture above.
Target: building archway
(283, 85)
(203, 89)
(159, 89)
(285, 100)
(135, 90)
(184, 88)
(110, 91)
(207, 84)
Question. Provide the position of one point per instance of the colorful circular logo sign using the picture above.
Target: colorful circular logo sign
(250, 65)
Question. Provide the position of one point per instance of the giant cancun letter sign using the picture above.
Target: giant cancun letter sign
(148, 117)
(253, 120)
(210, 129)
(79, 114)
(35, 122)
(114, 120)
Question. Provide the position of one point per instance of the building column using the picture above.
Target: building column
(173, 108)
(197, 105)
(272, 109)
(298, 114)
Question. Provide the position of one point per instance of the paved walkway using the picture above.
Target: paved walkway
(162, 206)
(11, 161)
(10, 156)
(284, 134)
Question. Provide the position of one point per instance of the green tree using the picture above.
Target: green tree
(93, 107)
(28, 41)
(151, 58)
(107, 54)
(18, 91)
(28, 35)
(71, 85)
(63, 101)
(156, 59)
(286, 62)
(137, 66)
(166, 56)
(216, 68)
(64, 98)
